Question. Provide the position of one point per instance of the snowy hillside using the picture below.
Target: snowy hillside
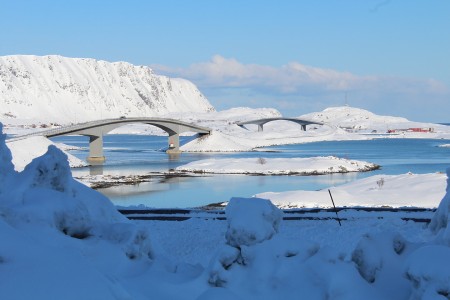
(360, 119)
(65, 90)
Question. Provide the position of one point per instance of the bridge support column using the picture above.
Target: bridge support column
(260, 127)
(96, 150)
(303, 127)
(174, 143)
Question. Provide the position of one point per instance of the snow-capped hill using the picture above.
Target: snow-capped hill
(62, 89)
(350, 115)
(360, 119)
(246, 113)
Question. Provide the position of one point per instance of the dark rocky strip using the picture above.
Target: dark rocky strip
(290, 214)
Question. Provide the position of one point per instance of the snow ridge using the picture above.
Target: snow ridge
(82, 89)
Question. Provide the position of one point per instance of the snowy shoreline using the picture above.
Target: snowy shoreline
(105, 181)
(243, 166)
(278, 166)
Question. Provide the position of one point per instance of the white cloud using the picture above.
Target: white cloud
(291, 78)
(298, 85)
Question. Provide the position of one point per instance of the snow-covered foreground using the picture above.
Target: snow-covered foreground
(278, 166)
(62, 240)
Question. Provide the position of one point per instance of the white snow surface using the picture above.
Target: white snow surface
(341, 123)
(405, 190)
(62, 240)
(251, 222)
(277, 166)
(25, 150)
(70, 90)
(360, 119)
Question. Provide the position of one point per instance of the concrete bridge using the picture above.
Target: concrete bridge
(261, 122)
(95, 130)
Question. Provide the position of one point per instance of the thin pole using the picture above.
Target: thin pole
(335, 210)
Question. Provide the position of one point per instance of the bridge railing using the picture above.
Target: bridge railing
(85, 125)
(56, 131)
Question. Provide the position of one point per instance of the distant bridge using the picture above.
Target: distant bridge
(97, 129)
(261, 122)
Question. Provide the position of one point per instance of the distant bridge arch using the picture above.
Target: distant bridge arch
(95, 130)
(261, 122)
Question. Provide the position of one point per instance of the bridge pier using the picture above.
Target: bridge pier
(96, 129)
(303, 127)
(96, 150)
(174, 143)
(260, 127)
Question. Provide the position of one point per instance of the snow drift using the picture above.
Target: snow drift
(49, 223)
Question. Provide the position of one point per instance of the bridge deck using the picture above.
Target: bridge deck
(65, 130)
(261, 122)
(97, 129)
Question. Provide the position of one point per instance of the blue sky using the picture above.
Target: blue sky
(391, 57)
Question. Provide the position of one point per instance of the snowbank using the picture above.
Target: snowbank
(63, 240)
(251, 221)
(278, 166)
(277, 268)
(6, 165)
(441, 220)
(217, 142)
(383, 265)
(23, 151)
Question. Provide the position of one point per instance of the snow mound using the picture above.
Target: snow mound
(24, 150)
(251, 221)
(277, 268)
(379, 259)
(61, 232)
(46, 193)
(427, 270)
(6, 165)
(216, 142)
(441, 220)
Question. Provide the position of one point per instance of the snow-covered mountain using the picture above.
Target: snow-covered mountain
(61, 89)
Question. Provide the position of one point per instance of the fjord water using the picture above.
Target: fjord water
(131, 154)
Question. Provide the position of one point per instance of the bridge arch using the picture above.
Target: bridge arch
(95, 130)
(261, 122)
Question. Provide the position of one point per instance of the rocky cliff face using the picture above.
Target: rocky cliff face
(61, 89)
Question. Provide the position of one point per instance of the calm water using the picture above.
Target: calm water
(128, 154)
